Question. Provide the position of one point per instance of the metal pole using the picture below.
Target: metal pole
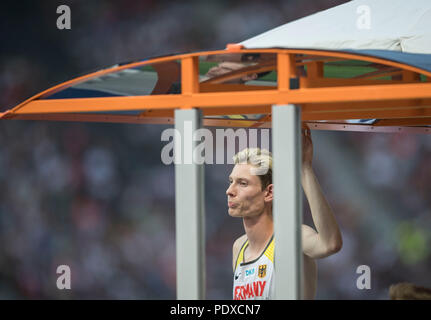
(189, 209)
(287, 203)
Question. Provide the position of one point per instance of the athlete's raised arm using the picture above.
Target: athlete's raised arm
(326, 240)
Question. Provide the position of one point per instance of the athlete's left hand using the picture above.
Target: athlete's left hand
(307, 148)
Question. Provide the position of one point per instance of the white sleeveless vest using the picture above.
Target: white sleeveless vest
(253, 280)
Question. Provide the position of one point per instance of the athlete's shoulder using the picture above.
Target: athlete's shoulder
(237, 245)
(239, 242)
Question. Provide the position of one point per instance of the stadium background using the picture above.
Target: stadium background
(97, 197)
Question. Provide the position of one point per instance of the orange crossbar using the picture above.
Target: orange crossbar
(232, 99)
(321, 98)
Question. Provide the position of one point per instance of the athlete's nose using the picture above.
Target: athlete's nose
(229, 191)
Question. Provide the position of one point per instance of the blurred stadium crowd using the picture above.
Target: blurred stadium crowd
(98, 198)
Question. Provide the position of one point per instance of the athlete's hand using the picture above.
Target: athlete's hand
(307, 148)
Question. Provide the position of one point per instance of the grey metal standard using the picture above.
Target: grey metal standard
(189, 209)
(287, 203)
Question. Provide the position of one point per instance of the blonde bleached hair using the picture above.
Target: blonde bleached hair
(409, 291)
(260, 159)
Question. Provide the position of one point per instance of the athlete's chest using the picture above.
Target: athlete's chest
(253, 280)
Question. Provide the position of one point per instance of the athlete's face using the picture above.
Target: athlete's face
(245, 195)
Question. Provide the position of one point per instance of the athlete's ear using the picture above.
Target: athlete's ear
(269, 193)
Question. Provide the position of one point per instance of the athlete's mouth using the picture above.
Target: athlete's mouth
(231, 204)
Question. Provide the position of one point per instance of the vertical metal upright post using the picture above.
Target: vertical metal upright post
(189, 210)
(287, 203)
(189, 193)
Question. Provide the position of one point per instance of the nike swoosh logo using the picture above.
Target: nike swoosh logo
(237, 276)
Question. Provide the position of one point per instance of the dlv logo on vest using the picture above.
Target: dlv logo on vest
(249, 272)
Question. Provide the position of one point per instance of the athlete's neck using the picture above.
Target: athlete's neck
(259, 230)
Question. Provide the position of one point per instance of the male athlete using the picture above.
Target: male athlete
(250, 198)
